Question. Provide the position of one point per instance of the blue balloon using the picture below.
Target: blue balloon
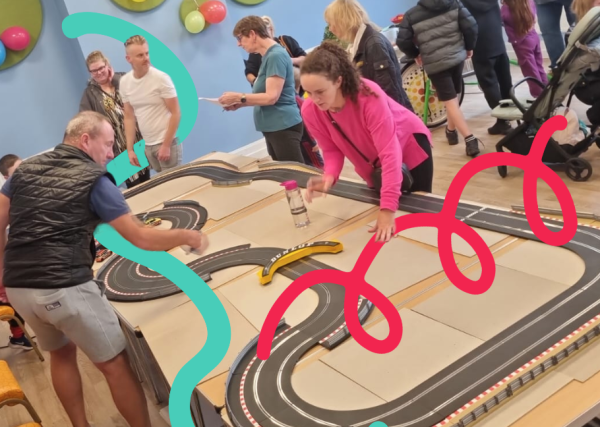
(2, 53)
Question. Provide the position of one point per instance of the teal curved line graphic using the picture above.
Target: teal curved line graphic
(205, 300)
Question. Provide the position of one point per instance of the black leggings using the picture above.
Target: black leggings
(12, 323)
(423, 174)
(284, 145)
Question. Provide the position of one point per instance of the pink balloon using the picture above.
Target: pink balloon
(15, 38)
(213, 11)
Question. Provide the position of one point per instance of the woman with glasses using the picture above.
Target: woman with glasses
(252, 65)
(102, 96)
(276, 113)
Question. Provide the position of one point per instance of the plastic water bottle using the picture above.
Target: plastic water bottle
(297, 207)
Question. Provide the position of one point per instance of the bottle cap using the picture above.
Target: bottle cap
(290, 185)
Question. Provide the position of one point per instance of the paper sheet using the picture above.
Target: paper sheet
(214, 101)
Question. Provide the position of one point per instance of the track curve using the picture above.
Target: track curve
(260, 392)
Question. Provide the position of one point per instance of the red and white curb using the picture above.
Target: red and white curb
(360, 300)
(243, 381)
(517, 372)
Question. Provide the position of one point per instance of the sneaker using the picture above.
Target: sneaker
(502, 127)
(472, 146)
(452, 136)
(20, 343)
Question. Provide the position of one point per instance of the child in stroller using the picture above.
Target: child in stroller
(580, 55)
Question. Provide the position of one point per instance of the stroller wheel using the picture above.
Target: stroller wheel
(503, 171)
(578, 170)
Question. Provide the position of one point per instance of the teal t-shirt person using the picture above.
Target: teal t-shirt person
(285, 112)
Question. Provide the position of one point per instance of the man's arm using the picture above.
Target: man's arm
(150, 239)
(4, 209)
(173, 106)
(130, 123)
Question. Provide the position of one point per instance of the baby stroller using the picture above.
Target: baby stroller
(530, 114)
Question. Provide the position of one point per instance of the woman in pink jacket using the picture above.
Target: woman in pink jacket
(353, 118)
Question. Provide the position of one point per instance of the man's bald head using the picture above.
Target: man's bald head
(92, 133)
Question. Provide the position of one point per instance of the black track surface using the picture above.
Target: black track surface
(267, 398)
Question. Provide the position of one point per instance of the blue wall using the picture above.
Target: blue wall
(212, 58)
(39, 95)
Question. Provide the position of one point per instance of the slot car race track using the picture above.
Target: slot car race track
(259, 393)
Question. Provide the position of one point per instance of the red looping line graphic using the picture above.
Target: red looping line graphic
(446, 224)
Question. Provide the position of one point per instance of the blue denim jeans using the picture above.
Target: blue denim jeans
(549, 15)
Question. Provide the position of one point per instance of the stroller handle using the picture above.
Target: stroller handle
(513, 96)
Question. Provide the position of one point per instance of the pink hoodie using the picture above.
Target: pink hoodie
(379, 127)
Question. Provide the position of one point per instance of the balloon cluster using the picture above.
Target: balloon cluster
(212, 11)
(13, 38)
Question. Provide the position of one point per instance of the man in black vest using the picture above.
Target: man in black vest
(53, 203)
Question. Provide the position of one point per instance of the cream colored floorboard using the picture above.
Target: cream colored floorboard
(273, 226)
(538, 259)
(513, 295)
(412, 263)
(254, 300)
(429, 236)
(323, 387)
(338, 207)
(219, 240)
(221, 202)
(164, 192)
(515, 408)
(417, 358)
(583, 366)
(177, 336)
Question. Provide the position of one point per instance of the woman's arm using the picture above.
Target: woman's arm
(332, 156)
(381, 126)
(383, 72)
(276, 72)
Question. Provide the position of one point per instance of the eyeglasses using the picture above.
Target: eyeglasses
(239, 38)
(98, 70)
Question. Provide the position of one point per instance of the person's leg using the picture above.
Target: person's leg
(445, 90)
(151, 152)
(286, 144)
(45, 311)
(270, 151)
(176, 157)
(530, 67)
(423, 174)
(126, 391)
(571, 17)
(66, 380)
(17, 339)
(488, 80)
(95, 329)
(549, 21)
(502, 68)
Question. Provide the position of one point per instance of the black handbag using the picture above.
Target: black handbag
(407, 179)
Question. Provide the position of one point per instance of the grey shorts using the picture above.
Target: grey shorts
(81, 314)
(175, 160)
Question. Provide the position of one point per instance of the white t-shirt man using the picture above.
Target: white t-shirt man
(146, 96)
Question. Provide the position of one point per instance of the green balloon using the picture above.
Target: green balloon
(194, 22)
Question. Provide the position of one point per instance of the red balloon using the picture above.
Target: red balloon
(15, 38)
(214, 11)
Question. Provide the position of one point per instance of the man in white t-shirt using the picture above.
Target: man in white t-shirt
(149, 97)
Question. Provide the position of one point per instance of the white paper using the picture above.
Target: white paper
(214, 101)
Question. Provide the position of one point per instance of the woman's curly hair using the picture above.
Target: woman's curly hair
(332, 62)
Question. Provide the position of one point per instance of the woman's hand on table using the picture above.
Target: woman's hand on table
(318, 184)
(385, 227)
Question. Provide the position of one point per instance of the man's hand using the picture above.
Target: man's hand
(419, 61)
(385, 227)
(133, 158)
(469, 53)
(164, 153)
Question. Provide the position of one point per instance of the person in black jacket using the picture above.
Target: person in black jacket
(371, 51)
(490, 61)
(440, 35)
(254, 61)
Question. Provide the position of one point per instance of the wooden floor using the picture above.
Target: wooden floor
(486, 187)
